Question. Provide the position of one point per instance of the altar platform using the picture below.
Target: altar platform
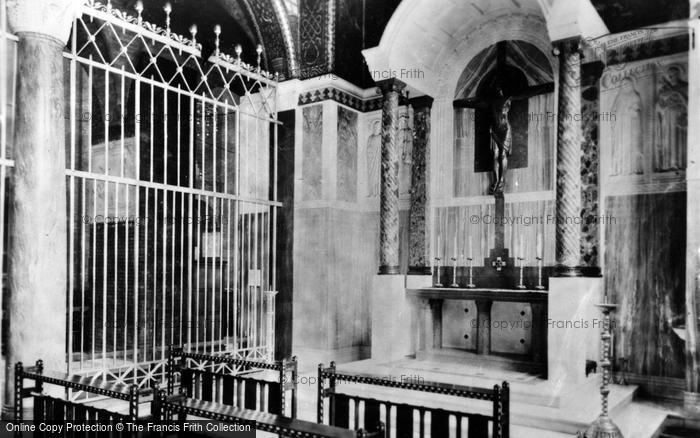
(432, 330)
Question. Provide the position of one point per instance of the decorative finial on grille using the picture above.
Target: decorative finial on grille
(239, 51)
(109, 5)
(258, 50)
(168, 8)
(139, 10)
(193, 32)
(217, 32)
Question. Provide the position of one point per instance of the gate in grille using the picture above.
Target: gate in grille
(171, 207)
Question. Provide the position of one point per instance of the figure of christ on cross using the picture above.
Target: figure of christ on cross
(501, 140)
(497, 92)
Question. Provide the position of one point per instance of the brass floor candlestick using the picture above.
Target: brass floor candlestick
(604, 427)
(454, 272)
(471, 284)
(437, 266)
(539, 273)
(521, 285)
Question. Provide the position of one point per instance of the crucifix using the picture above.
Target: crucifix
(501, 99)
(501, 90)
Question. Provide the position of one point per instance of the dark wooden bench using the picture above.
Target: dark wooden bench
(263, 386)
(57, 410)
(344, 410)
(166, 407)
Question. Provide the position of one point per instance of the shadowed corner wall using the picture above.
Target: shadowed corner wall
(285, 235)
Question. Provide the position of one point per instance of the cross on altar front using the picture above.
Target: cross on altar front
(498, 263)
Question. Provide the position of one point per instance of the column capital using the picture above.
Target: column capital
(568, 46)
(592, 71)
(52, 18)
(421, 102)
(391, 85)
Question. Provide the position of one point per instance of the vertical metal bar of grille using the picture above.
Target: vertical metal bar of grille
(171, 222)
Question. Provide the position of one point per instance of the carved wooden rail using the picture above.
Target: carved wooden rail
(166, 407)
(235, 382)
(341, 406)
(52, 409)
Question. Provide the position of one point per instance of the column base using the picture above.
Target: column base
(8, 413)
(572, 327)
(576, 271)
(391, 336)
(419, 270)
(389, 270)
(691, 404)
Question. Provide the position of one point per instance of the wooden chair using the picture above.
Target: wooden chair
(345, 410)
(51, 409)
(264, 386)
(165, 408)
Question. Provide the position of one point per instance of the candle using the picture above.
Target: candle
(471, 253)
(520, 246)
(454, 245)
(539, 242)
(437, 254)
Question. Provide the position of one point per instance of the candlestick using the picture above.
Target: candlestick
(604, 426)
(521, 285)
(539, 273)
(471, 284)
(454, 272)
(437, 262)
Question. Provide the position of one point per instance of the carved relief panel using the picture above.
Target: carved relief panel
(643, 121)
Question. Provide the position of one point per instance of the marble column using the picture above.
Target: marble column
(590, 164)
(37, 252)
(389, 191)
(692, 276)
(418, 241)
(568, 184)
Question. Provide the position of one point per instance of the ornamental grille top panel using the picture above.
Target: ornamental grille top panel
(123, 43)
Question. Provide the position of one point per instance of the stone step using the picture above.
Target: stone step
(640, 420)
(575, 414)
(517, 431)
(678, 426)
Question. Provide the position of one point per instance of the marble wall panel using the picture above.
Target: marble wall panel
(312, 150)
(644, 274)
(347, 155)
(311, 279)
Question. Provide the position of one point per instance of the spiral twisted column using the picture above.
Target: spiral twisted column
(568, 196)
(389, 193)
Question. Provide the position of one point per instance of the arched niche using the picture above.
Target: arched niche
(511, 68)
